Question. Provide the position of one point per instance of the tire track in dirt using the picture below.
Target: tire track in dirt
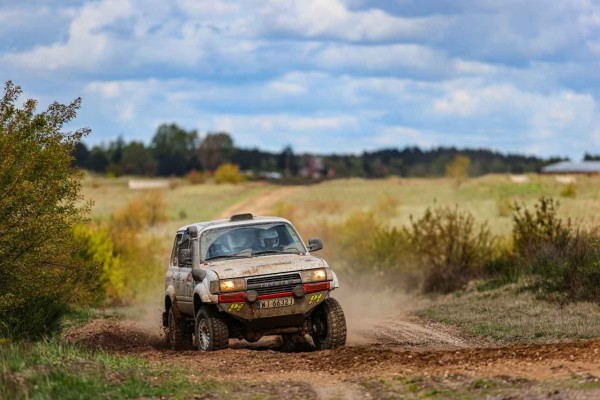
(416, 334)
(261, 204)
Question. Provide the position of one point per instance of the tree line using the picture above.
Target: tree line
(174, 151)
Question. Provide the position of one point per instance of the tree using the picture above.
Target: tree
(458, 168)
(80, 155)
(138, 160)
(216, 149)
(97, 160)
(173, 149)
(287, 162)
(40, 203)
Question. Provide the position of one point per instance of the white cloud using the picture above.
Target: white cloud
(399, 136)
(332, 19)
(86, 47)
(382, 57)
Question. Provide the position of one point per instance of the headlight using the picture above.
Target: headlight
(314, 275)
(232, 285)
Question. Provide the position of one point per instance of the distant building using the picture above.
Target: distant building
(569, 167)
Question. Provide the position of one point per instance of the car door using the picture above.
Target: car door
(184, 272)
(173, 269)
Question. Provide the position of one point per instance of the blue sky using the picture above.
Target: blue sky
(321, 75)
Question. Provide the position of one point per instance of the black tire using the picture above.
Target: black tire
(178, 333)
(292, 342)
(329, 325)
(212, 332)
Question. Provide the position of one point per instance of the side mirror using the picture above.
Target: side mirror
(314, 244)
(185, 256)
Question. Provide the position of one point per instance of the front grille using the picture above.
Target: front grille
(272, 284)
(275, 289)
(273, 278)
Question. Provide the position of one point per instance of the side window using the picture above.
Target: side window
(183, 243)
(174, 252)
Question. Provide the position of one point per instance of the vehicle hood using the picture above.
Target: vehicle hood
(246, 267)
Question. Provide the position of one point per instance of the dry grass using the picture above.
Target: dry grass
(510, 314)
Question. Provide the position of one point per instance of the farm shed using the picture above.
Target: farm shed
(569, 167)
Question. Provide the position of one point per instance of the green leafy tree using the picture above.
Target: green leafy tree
(137, 159)
(216, 149)
(173, 149)
(40, 203)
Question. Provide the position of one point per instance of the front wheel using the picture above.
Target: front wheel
(212, 332)
(329, 325)
(179, 335)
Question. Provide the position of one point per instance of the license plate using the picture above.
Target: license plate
(272, 303)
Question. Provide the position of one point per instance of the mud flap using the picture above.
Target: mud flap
(165, 319)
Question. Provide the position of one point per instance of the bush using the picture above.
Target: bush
(563, 259)
(504, 207)
(96, 246)
(228, 173)
(570, 190)
(533, 230)
(452, 248)
(145, 211)
(40, 273)
(458, 169)
(195, 177)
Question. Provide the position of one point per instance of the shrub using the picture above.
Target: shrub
(570, 190)
(228, 173)
(458, 169)
(533, 230)
(355, 235)
(97, 247)
(195, 177)
(145, 211)
(451, 246)
(40, 274)
(504, 207)
(563, 258)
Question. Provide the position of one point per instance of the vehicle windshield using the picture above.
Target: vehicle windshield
(250, 241)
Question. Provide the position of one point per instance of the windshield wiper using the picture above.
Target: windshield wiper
(293, 251)
(229, 256)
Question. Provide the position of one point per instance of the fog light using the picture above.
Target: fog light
(251, 296)
(299, 291)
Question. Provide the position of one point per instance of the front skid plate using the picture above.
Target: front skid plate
(248, 311)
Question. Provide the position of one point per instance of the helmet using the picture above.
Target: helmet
(269, 238)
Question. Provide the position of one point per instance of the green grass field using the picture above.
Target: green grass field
(332, 201)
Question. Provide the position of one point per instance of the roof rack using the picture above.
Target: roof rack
(241, 217)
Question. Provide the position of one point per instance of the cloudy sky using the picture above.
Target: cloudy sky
(321, 75)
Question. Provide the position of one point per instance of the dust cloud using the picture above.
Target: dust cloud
(369, 302)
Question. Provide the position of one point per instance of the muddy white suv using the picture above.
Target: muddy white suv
(245, 278)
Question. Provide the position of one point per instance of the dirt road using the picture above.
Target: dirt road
(261, 204)
(389, 351)
(404, 347)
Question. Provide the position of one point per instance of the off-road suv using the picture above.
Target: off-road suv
(245, 278)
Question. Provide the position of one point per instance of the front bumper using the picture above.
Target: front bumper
(247, 312)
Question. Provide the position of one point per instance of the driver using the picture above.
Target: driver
(269, 239)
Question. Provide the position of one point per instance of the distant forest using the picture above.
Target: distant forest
(174, 151)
